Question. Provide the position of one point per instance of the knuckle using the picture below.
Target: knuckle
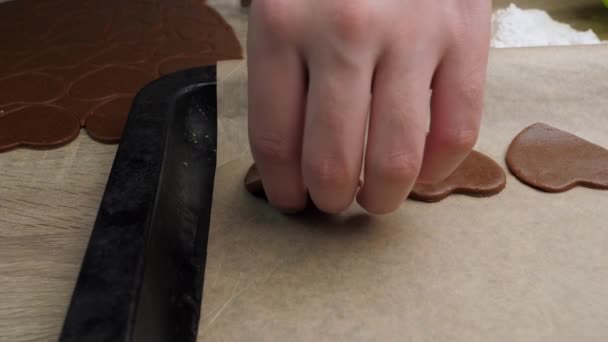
(351, 20)
(456, 31)
(274, 15)
(470, 85)
(328, 172)
(459, 140)
(399, 167)
(459, 27)
(472, 93)
(274, 149)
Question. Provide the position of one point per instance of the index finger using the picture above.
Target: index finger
(276, 114)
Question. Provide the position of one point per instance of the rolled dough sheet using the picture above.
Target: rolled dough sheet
(72, 63)
(521, 266)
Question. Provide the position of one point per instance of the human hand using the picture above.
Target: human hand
(319, 69)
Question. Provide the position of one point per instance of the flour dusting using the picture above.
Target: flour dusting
(515, 27)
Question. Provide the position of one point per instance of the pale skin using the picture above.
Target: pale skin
(326, 74)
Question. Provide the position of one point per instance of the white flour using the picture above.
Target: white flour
(514, 27)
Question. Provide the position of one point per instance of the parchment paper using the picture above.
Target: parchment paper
(521, 266)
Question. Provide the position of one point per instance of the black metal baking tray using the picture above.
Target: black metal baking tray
(142, 275)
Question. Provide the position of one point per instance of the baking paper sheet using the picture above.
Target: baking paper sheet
(521, 266)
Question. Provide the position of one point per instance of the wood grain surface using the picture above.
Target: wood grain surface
(48, 203)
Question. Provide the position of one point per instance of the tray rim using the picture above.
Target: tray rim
(102, 312)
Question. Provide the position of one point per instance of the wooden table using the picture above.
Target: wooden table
(48, 203)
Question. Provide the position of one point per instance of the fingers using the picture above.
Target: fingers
(456, 103)
(276, 112)
(334, 133)
(397, 129)
(309, 98)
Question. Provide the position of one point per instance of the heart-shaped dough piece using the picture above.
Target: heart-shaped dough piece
(552, 160)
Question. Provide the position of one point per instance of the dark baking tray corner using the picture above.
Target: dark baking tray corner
(142, 275)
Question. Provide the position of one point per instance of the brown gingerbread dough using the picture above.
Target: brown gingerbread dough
(477, 176)
(67, 61)
(55, 128)
(552, 160)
